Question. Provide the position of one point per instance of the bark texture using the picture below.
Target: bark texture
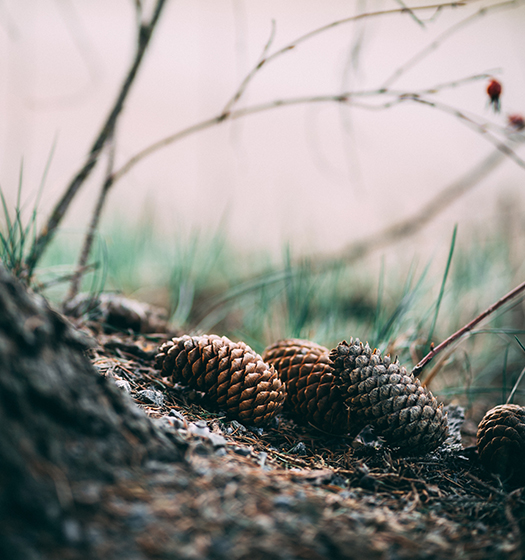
(63, 425)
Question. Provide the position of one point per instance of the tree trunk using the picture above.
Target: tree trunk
(62, 424)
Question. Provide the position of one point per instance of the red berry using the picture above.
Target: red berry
(494, 91)
(516, 121)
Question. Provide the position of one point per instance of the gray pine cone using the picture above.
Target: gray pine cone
(383, 394)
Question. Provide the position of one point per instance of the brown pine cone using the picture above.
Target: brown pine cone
(384, 395)
(501, 442)
(233, 377)
(311, 394)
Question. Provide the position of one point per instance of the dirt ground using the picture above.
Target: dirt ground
(285, 491)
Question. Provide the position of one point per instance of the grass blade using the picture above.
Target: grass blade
(442, 289)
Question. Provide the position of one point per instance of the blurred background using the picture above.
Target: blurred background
(316, 175)
(243, 228)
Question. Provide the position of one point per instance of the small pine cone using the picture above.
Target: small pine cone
(501, 442)
(384, 395)
(311, 394)
(233, 377)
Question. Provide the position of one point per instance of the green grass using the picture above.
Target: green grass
(18, 233)
(208, 286)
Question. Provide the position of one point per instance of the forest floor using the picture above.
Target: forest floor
(286, 491)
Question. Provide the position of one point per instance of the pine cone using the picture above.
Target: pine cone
(501, 442)
(384, 395)
(311, 394)
(233, 377)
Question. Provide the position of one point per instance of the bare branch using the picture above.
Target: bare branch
(412, 14)
(343, 21)
(348, 98)
(418, 57)
(49, 230)
(138, 12)
(457, 83)
(242, 88)
(163, 143)
(471, 122)
(468, 327)
(265, 59)
(93, 226)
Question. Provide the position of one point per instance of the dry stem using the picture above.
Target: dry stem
(49, 230)
(90, 234)
(515, 388)
(436, 43)
(467, 328)
(307, 36)
(346, 98)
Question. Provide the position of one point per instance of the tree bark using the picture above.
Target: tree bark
(62, 424)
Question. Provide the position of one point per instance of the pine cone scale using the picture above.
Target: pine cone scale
(339, 391)
(312, 396)
(231, 375)
(501, 442)
(385, 395)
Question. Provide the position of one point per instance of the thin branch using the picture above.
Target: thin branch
(138, 13)
(93, 226)
(467, 328)
(265, 59)
(348, 98)
(418, 57)
(400, 95)
(233, 115)
(412, 14)
(456, 83)
(244, 84)
(469, 121)
(164, 142)
(49, 230)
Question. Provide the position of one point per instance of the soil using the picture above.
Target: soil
(285, 491)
